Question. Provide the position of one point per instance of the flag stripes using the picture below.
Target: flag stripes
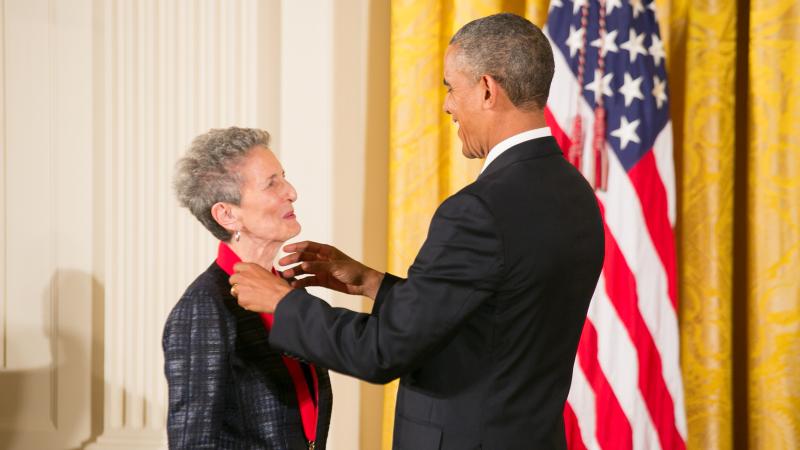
(627, 391)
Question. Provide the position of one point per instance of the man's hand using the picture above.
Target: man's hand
(256, 288)
(329, 268)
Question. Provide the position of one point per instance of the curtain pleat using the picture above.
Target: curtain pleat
(773, 204)
(702, 76)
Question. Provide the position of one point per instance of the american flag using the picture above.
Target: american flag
(627, 391)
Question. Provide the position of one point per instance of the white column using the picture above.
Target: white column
(45, 223)
(167, 71)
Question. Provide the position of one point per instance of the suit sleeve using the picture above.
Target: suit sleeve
(459, 267)
(386, 286)
(195, 364)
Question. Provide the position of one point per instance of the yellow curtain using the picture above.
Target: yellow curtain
(414, 141)
(734, 74)
(773, 205)
(701, 62)
(426, 164)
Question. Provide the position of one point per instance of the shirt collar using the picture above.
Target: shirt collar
(226, 258)
(507, 143)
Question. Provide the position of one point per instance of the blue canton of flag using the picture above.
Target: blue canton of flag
(634, 85)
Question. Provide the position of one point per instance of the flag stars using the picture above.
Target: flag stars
(631, 89)
(657, 49)
(634, 45)
(576, 5)
(606, 43)
(600, 85)
(626, 132)
(611, 4)
(659, 91)
(575, 40)
(652, 7)
(555, 4)
(638, 8)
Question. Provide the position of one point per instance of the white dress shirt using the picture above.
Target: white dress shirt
(507, 143)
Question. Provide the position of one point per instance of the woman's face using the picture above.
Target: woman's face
(265, 211)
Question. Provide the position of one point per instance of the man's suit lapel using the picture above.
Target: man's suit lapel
(535, 148)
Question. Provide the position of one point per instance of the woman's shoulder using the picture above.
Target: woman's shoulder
(203, 297)
(213, 281)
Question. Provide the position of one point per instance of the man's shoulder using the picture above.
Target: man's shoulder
(471, 198)
(519, 162)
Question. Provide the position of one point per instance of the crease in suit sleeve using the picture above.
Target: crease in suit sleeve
(195, 363)
(459, 267)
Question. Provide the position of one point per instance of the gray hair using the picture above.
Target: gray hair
(511, 50)
(206, 174)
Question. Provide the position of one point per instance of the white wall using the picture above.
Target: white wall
(98, 98)
(323, 150)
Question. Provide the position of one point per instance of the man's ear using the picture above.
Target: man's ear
(225, 215)
(491, 90)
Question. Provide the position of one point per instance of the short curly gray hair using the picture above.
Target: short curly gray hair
(205, 175)
(513, 51)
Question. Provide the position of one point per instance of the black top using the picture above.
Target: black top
(228, 389)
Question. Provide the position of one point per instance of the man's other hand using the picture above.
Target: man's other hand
(328, 267)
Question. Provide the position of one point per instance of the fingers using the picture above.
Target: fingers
(242, 267)
(243, 271)
(257, 289)
(291, 272)
(304, 246)
(298, 257)
(307, 268)
(305, 282)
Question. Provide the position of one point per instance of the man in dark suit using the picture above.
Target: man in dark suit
(484, 330)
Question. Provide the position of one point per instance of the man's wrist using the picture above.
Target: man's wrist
(283, 292)
(373, 283)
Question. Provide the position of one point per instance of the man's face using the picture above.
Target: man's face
(464, 103)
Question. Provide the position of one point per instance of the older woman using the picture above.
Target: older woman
(227, 388)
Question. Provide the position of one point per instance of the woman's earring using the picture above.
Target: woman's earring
(237, 235)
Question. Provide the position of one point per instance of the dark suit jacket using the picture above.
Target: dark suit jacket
(228, 389)
(485, 329)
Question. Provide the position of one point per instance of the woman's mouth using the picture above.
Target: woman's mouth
(289, 215)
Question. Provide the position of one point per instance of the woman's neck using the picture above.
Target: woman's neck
(262, 253)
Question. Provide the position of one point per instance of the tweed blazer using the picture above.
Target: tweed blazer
(228, 389)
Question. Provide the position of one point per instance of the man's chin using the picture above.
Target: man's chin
(471, 154)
